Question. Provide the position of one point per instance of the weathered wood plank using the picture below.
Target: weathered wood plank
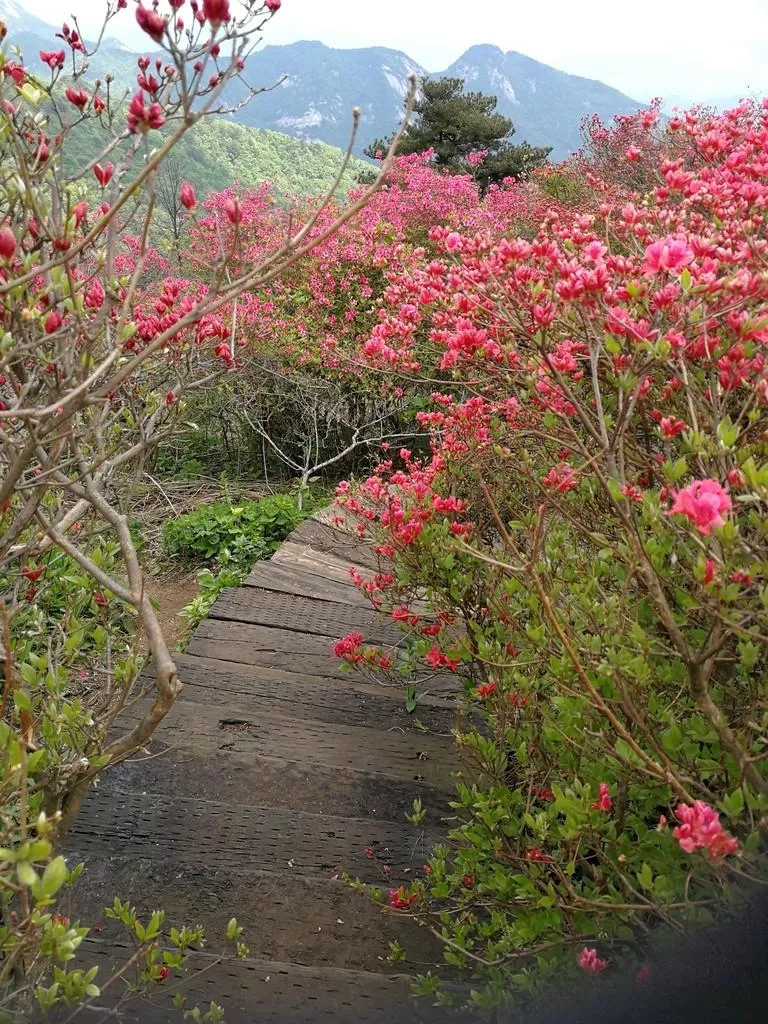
(339, 927)
(272, 992)
(353, 701)
(317, 563)
(443, 694)
(236, 726)
(325, 537)
(303, 614)
(279, 649)
(174, 768)
(285, 580)
(314, 690)
(208, 835)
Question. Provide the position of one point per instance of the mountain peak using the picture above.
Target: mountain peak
(482, 52)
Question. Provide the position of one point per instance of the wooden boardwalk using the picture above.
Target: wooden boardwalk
(277, 771)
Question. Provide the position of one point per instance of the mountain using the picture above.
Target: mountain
(19, 20)
(546, 105)
(316, 88)
(310, 89)
(320, 85)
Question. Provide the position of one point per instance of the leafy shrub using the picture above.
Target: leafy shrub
(210, 586)
(233, 534)
(590, 530)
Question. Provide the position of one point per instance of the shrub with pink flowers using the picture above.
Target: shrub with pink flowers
(100, 348)
(588, 527)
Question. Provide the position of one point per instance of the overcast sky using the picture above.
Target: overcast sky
(696, 49)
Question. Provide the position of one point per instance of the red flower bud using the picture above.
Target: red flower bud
(273, 5)
(79, 212)
(187, 196)
(216, 11)
(101, 599)
(233, 211)
(77, 97)
(53, 58)
(151, 23)
(103, 174)
(53, 322)
(7, 243)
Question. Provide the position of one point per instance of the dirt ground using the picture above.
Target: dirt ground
(173, 592)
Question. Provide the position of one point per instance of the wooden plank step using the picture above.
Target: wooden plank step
(325, 537)
(303, 920)
(281, 649)
(269, 638)
(327, 566)
(304, 614)
(283, 579)
(241, 778)
(238, 727)
(443, 690)
(317, 563)
(271, 992)
(354, 699)
(209, 835)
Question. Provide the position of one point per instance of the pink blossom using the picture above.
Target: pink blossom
(560, 478)
(671, 254)
(452, 241)
(704, 502)
(590, 962)
(604, 801)
(700, 829)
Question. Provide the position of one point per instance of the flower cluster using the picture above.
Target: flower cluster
(700, 829)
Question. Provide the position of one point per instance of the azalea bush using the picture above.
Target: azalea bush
(303, 403)
(101, 343)
(589, 530)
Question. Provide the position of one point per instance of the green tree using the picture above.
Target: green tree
(456, 125)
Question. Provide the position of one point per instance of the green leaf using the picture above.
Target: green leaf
(645, 877)
(27, 874)
(733, 803)
(54, 876)
(672, 738)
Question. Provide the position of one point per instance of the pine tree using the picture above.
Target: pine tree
(456, 124)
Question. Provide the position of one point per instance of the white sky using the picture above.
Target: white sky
(694, 49)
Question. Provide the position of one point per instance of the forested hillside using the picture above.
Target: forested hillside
(217, 152)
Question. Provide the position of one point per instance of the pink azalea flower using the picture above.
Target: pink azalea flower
(704, 502)
(671, 254)
(589, 961)
(700, 829)
(604, 801)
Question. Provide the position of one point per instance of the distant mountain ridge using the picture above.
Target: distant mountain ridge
(312, 88)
